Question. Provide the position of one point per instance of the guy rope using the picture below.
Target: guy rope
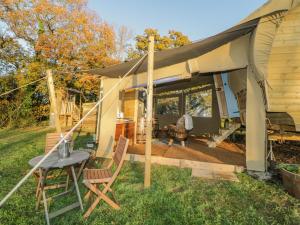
(25, 85)
(22, 181)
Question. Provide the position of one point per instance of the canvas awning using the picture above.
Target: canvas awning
(177, 55)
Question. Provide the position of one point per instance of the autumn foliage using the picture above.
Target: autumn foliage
(60, 34)
(66, 36)
(63, 33)
(174, 39)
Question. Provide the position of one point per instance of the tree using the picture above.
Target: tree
(123, 36)
(174, 39)
(60, 34)
(12, 56)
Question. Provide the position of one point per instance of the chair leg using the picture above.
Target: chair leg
(111, 191)
(171, 142)
(108, 188)
(38, 189)
(91, 209)
(101, 195)
(95, 203)
(87, 196)
(37, 177)
(67, 182)
(108, 200)
(182, 143)
(38, 201)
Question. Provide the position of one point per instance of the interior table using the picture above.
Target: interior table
(54, 162)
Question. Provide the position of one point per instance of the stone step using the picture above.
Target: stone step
(206, 170)
(215, 175)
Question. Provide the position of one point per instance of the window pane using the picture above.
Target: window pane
(199, 104)
(167, 106)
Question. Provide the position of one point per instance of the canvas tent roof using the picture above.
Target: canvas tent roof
(177, 55)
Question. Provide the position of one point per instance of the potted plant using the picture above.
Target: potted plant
(291, 178)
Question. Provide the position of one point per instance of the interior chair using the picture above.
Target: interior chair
(177, 133)
(181, 130)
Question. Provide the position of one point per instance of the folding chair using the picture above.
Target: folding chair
(105, 177)
(51, 140)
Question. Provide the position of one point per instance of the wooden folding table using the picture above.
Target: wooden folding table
(54, 162)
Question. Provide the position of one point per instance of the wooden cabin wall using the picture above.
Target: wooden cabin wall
(130, 108)
(130, 104)
(90, 123)
(284, 68)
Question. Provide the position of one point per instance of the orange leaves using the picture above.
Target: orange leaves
(61, 32)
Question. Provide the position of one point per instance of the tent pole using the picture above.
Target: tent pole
(99, 111)
(148, 146)
(53, 102)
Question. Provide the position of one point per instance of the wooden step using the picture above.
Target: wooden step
(199, 169)
(212, 175)
(224, 134)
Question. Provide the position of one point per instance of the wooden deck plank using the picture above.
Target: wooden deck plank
(195, 151)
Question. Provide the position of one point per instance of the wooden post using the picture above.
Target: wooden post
(256, 125)
(52, 97)
(99, 111)
(148, 146)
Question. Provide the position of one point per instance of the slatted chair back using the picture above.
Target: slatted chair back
(52, 139)
(120, 153)
(106, 177)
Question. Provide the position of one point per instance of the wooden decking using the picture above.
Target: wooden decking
(196, 150)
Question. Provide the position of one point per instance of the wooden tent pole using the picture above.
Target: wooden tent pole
(99, 111)
(148, 146)
(53, 102)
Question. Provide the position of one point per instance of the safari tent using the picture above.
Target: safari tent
(260, 56)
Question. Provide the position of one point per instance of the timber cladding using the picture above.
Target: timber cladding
(90, 123)
(284, 68)
(129, 102)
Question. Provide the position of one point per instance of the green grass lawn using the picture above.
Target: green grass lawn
(174, 197)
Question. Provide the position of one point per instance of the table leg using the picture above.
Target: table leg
(46, 208)
(39, 190)
(76, 187)
(81, 169)
(43, 180)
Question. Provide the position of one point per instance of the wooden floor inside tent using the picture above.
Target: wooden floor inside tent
(196, 150)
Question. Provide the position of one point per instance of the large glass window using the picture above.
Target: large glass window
(167, 106)
(199, 104)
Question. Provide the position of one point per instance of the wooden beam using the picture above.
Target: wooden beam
(284, 137)
(53, 102)
(99, 111)
(148, 146)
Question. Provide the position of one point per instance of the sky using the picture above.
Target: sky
(196, 18)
